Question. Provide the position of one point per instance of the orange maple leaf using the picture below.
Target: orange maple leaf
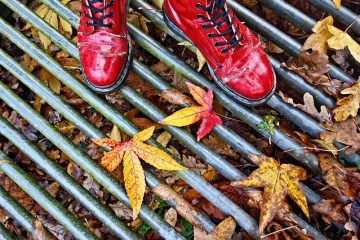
(193, 114)
(129, 152)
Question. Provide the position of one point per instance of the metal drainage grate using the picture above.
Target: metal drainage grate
(103, 213)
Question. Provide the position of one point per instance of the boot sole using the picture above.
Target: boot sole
(249, 102)
(122, 75)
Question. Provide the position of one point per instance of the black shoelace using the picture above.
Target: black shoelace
(98, 22)
(217, 8)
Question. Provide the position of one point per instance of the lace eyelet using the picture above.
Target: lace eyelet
(198, 5)
(111, 14)
(217, 44)
(210, 35)
(111, 26)
(199, 16)
(223, 52)
(203, 26)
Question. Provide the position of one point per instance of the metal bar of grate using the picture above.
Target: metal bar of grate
(15, 210)
(287, 76)
(280, 38)
(82, 160)
(244, 113)
(73, 116)
(298, 117)
(343, 14)
(132, 94)
(51, 205)
(194, 180)
(239, 175)
(221, 200)
(54, 170)
(305, 122)
(5, 234)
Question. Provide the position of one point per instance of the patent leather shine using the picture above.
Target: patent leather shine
(245, 69)
(103, 50)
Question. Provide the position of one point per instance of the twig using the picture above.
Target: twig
(281, 230)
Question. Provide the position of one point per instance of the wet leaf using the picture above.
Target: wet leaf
(129, 153)
(278, 181)
(348, 106)
(193, 114)
(341, 40)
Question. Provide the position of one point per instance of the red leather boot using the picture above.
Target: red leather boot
(104, 43)
(234, 56)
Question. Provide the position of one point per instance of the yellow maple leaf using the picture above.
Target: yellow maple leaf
(129, 153)
(337, 3)
(341, 40)
(278, 181)
(348, 106)
(134, 179)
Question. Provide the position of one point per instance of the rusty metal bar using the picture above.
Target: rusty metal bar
(50, 204)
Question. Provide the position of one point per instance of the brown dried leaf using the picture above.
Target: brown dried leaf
(335, 174)
(171, 216)
(309, 107)
(345, 132)
(330, 211)
(174, 96)
(223, 231)
(220, 146)
(38, 231)
(311, 66)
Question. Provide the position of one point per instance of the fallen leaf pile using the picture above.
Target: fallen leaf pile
(129, 153)
(193, 114)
